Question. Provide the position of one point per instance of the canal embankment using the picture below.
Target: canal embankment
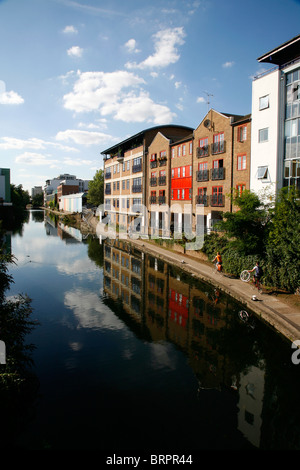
(282, 317)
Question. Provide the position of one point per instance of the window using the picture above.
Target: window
(242, 133)
(183, 171)
(218, 163)
(123, 184)
(262, 172)
(178, 193)
(183, 150)
(128, 165)
(263, 102)
(179, 151)
(123, 168)
(191, 148)
(153, 157)
(202, 166)
(178, 172)
(173, 172)
(241, 162)
(173, 152)
(219, 143)
(263, 135)
(127, 184)
(241, 187)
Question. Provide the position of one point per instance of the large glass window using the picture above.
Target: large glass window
(263, 134)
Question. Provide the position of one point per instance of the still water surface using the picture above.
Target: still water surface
(131, 353)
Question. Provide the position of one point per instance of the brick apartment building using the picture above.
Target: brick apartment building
(127, 173)
(169, 170)
(221, 150)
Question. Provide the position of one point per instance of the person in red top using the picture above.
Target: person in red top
(219, 261)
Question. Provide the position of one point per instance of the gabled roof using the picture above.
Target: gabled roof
(284, 53)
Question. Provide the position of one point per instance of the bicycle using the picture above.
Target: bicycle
(245, 277)
(218, 268)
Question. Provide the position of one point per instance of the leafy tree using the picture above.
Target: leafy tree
(38, 200)
(247, 227)
(283, 256)
(96, 189)
(19, 197)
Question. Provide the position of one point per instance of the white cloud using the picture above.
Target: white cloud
(117, 94)
(75, 51)
(83, 137)
(141, 108)
(36, 159)
(70, 30)
(200, 99)
(227, 65)
(177, 84)
(11, 143)
(9, 97)
(166, 53)
(131, 46)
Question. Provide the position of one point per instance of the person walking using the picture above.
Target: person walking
(219, 261)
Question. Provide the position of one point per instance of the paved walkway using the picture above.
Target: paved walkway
(279, 315)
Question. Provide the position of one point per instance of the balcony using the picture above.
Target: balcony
(108, 175)
(218, 147)
(202, 175)
(202, 199)
(217, 173)
(202, 151)
(162, 161)
(136, 168)
(120, 157)
(153, 181)
(137, 188)
(162, 180)
(161, 199)
(152, 199)
(217, 200)
(153, 164)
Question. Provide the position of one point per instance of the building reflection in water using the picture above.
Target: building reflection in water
(159, 302)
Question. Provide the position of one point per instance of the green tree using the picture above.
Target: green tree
(96, 189)
(283, 255)
(19, 197)
(248, 226)
(38, 200)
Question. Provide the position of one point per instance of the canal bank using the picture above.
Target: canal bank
(282, 317)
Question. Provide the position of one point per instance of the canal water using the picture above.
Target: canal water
(131, 353)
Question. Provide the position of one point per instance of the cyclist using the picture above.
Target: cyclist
(219, 261)
(257, 274)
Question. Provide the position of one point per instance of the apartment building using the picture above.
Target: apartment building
(127, 173)
(5, 196)
(275, 141)
(221, 149)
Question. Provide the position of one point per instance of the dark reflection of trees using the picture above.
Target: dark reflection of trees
(37, 215)
(95, 251)
(18, 384)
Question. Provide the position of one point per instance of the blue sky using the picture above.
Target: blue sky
(77, 76)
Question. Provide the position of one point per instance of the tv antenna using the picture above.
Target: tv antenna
(208, 99)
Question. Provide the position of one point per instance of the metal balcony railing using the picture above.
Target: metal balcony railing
(136, 168)
(202, 175)
(202, 151)
(153, 164)
(218, 147)
(162, 180)
(217, 200)
(153, 181)
(152, 199)
(137, 188)
(202, 199)
(217, 173)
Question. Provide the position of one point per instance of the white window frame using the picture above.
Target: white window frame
(262, 172)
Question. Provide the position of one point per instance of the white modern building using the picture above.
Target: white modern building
(275, 136)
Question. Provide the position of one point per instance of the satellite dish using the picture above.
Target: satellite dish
(206, 123)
